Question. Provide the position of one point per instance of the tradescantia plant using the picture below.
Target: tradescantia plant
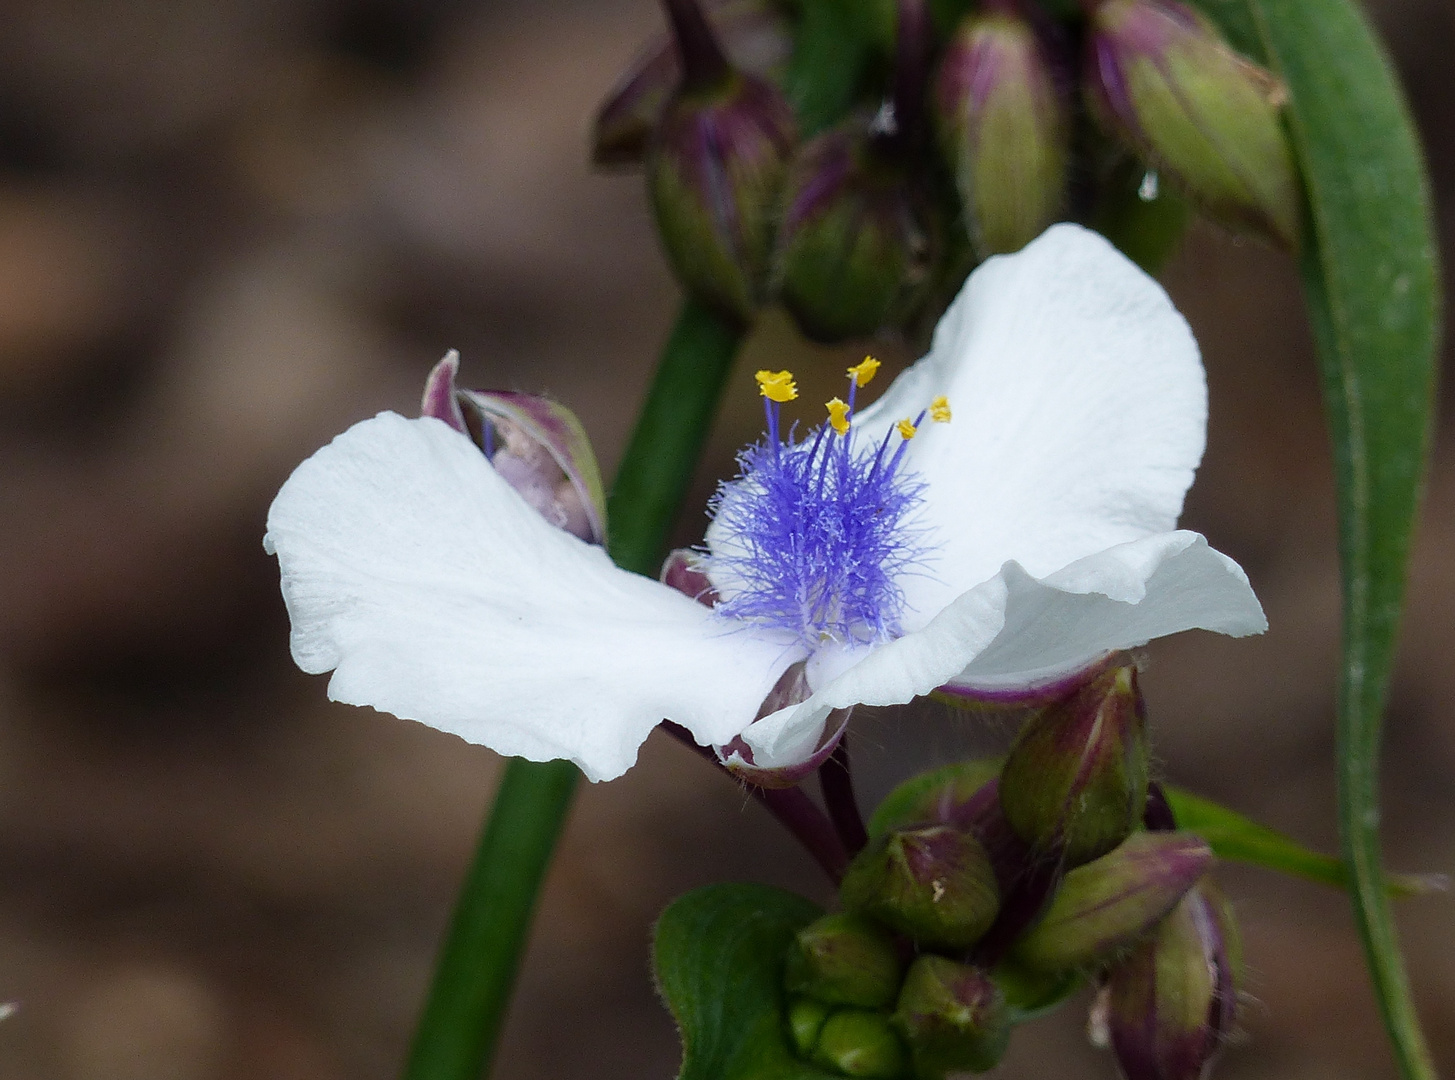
(996, 529)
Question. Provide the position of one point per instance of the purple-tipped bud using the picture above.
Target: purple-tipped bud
(536, 444)
(934, 884)
(953, 1017)
(1075, 782)
(756, 38)
(1107, 904)
(1160, 78)
(1004, 126)
(858, 238)
(858, 1042)
(715, 170)
(844, 960)
(1173, 1001)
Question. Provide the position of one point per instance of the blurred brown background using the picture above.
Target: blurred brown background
(228, 230)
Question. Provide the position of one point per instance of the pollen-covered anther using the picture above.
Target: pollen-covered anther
(906, 429)
(864, 370)
(940, 410)
(838, 415)
(777, 385)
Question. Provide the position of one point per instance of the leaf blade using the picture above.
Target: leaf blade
(718, 954)
(1371, 284)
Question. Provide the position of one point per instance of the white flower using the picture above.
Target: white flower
(1039, 525)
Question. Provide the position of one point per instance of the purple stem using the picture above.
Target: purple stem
(793, 808)
(703, 64)
(836, 778)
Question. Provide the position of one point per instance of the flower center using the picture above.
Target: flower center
(814, 535)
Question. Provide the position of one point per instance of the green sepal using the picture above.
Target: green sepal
(718, 958)
(1029, 993)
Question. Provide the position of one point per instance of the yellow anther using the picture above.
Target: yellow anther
(777, 385)
(838, 415)
(906, 430)
(863, 371)
(940, 410)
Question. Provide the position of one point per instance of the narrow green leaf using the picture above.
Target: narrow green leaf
(1240, 839)
(718, 955)
(1370, 278)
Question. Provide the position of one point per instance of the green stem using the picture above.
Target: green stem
(481, 954)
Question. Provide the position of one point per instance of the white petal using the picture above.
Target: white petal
(1016, 629)
(786, 737)
(435, 593)
(1079, 413)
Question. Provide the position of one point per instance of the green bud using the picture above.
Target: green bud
(845, 960)
(934, 884)
(858, 1042)
(1004, 128)
(714, 171)
(953, 1017)
(806, 1018)
(1173, 1002)
(1107, 904)
(1076, 779)
(1160, 78)
(858, 240)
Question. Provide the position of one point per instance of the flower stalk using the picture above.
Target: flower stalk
(478, 961)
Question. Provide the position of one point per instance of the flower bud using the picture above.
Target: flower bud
(714, 171)
(806, 1018)
(858, 239)
(934, 884)
(1111, 901)
(953, 1017)
(1076, 779)
(537, 445)
(843, 960)
(756, 38)
(858, 1042)
(1173, 1001)
(1004, 127)
(1161, 79)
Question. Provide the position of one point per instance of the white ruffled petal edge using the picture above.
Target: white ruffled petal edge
(1079, 406)
(434, 592)
(1015, 629)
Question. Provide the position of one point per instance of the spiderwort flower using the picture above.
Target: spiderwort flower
(1035, 532)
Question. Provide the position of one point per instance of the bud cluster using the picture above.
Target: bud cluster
(956, 141)
(978, 907)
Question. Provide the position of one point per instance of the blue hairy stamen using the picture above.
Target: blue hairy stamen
(820, 530)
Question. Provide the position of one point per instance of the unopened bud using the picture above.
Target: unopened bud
(1004, 126)
(953, 1017)
(715, 168)
(537, 445)
(1173, 1001)
(756, 39)
(934, 884)
(1076, 780)
(858, 238)
(806, 1018)
(1111, 901)
(1160, 78)
(858, 1042)
(844, 960)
